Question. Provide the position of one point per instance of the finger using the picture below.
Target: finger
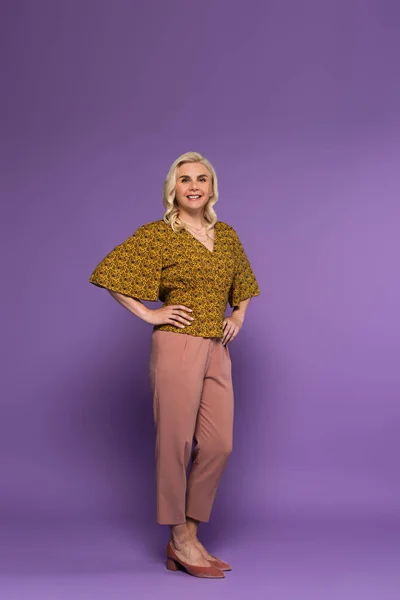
(183, 318)
(230, 335)
(182, 307)
(234, 335)
(226, 334)
(176, 323)
(180, 313)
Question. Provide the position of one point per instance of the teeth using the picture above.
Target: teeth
(194, 196)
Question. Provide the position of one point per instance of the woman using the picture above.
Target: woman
(195, 265)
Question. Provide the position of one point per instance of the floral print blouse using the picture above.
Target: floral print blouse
(156, 263)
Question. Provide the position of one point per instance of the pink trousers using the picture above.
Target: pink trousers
(192, 402)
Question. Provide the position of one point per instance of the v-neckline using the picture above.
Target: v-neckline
(201, 243)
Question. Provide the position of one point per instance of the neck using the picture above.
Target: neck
(195, 220)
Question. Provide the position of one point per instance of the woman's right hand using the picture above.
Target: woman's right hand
(174, 314)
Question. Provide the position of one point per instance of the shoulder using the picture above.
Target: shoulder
(154, 229)
(154, 236)
(226, 229)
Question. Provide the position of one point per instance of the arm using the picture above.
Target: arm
(244, 287)
(134, 306)
(239, 312)
(175, 314)
(234, 322)
(131, 273)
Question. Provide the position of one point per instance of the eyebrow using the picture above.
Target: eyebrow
(203, 175)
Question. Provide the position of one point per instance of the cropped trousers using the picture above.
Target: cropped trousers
(193, 406)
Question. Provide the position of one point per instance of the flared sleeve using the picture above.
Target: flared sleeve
(132, 268)
(244, 284)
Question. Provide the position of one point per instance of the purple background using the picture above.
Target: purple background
(297, 105)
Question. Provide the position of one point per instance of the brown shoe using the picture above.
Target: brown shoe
(173, 562)
(220, 564)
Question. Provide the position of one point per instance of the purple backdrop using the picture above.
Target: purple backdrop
(297, 106)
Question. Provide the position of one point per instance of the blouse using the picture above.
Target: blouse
(156, 263)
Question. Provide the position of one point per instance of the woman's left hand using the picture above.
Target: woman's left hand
(231, 326)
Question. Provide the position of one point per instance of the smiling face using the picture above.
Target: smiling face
(193, 187)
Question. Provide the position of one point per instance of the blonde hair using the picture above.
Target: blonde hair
(171, 215)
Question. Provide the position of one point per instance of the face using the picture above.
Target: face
(193, 186)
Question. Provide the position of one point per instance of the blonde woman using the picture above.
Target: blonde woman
(195, 265)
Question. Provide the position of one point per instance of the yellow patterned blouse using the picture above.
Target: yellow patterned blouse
(155, 263)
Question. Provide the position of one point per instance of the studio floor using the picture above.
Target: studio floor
(285, 561)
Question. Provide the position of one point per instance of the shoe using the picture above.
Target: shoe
(173, 562)
(220, 564)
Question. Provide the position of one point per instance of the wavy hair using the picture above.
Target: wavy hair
(171, 215)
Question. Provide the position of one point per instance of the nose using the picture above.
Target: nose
(193, 186)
